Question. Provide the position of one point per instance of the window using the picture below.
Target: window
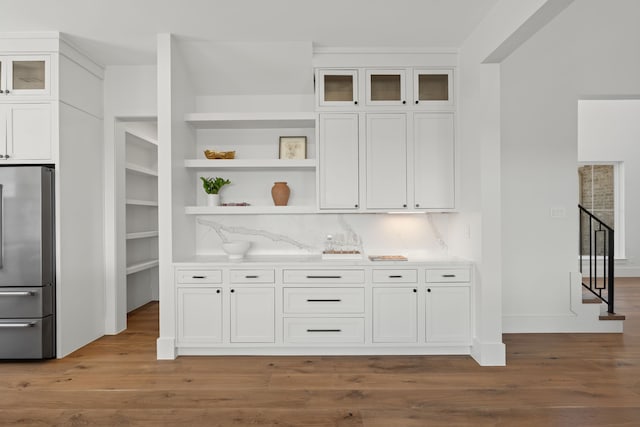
(601, 194)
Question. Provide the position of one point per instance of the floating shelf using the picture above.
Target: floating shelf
(251, 120)
(141, 170)
(141, 266)
(251, 164)
(141, 202)
(234, 210)
(142, 235)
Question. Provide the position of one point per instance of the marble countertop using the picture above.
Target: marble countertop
(311, 259)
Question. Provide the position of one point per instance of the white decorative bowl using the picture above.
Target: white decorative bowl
(236, 250)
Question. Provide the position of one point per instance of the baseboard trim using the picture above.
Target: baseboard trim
(569, 323)
(166, 348)
(489, 354)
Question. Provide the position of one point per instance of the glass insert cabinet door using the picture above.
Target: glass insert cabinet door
(25, 75)
(386, 87)
(433, 87)
(338, 87)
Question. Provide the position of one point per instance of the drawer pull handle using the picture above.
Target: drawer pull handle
(397, 276)
(250, 277)
(17, 294)
(16, 325)
(448, 275)
(198, 277)
(324, 300)
(324, 330)
(324, 277)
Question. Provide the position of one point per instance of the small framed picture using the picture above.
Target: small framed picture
(293, 147)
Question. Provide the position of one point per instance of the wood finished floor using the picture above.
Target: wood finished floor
(550, 380)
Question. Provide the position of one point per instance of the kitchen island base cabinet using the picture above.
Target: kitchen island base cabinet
(200, 315)
(252, 315)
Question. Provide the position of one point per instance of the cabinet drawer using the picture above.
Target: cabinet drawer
(395, 276)
(252, 276)
(448, 275)
(27, 338)
(324, 300)
(199, 276)
(26, 302)
(321, 330)
(323, 276)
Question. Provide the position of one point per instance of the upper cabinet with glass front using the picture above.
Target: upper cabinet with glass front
(338, 88)
(432, 87)
(386, 87)
(24, 76)
(410, 88)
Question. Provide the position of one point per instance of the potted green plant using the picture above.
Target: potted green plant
(212, 187)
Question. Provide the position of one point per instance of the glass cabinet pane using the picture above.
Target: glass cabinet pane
(386, 87)
(338, 88)
(28, 75)
(433, 87)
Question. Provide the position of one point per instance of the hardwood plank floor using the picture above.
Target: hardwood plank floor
(550, 380)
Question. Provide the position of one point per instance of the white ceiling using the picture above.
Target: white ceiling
(123, 32)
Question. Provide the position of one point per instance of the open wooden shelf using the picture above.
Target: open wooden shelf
(141, 266)
(251, 120)
(141, 170)
(249, 210)
(142, 235)
(250, 164)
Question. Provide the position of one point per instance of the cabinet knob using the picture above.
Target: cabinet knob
(415, 290)
(428, 290)
(6, 156)
(355, 102)
(404, 206)
(233, 290)
(404, 102)
(6, 91)
(217, 291)
(417, 102)
(1, 91)
(417, 205)
(355, 206)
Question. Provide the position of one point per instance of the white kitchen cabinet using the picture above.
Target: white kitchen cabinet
(448, 314)
(337, 87)
(386, 87)
(25, 76)
(339, 165)
(252, 314)
(386, 161)
(434, 161)
(25, 132)
(433, 87)
(199, 315)
(395, 314)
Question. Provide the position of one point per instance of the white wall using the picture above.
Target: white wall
(129, 94)
(609, 131)
(588, 51)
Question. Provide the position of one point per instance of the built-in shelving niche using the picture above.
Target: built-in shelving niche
(141, 190)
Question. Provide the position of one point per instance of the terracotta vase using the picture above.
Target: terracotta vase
(280, 193)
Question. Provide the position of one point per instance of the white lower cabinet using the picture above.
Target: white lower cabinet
(199, 315)
(252, 314)
(395, 314)
(448, 314)
(359, 309)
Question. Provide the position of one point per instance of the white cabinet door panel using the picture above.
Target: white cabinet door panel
(434, 161)
(29, 132)
(199, 315)
(252, 315)
(386, 161)
(339, 161)
(448, 314)
(395, 314)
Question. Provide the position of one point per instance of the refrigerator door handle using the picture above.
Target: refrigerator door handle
(17, 325)
(17, 294)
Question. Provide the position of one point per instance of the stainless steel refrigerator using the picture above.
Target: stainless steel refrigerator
(27, 263)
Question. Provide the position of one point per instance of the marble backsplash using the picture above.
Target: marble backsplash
(422, 235)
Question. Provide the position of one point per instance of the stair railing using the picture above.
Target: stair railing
(600, 245)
